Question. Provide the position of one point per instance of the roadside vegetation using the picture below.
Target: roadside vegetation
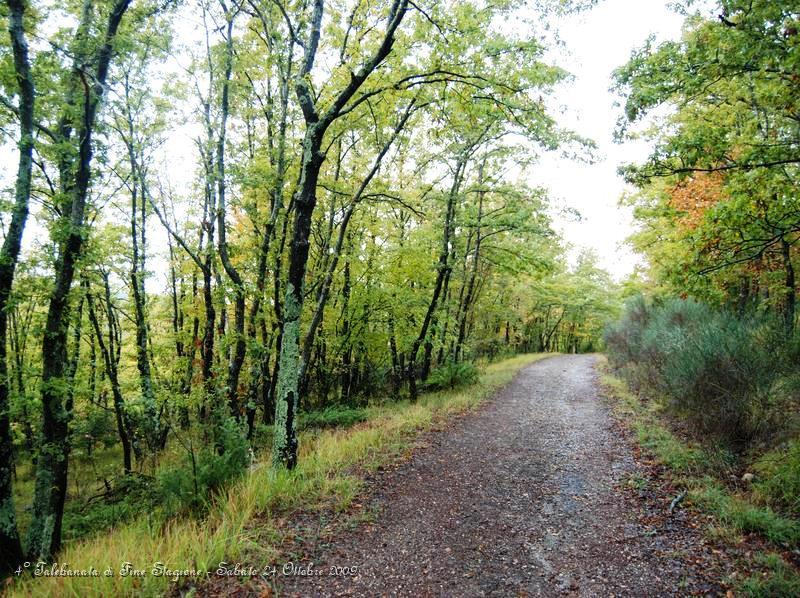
(704, 396)
(246, 520)
(721, 482)
(711, 352)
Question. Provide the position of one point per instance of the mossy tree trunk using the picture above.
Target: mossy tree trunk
(10, 547)
(285, 438)
(44, 535)
(284, 450)
(260, 387)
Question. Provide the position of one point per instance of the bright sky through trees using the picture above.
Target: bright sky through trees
(594, 44)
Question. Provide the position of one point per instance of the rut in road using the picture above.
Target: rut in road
(520, 498)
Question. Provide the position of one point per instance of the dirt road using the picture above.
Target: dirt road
(529, 496)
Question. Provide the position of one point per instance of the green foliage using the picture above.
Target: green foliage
(476, 98)
(334, 416)
(778, 478)
(453, 375)
(126, 497)
(323, 477)
(717, 201)
(193, 485)
(718, 212)
(97, 427)
(713, 368)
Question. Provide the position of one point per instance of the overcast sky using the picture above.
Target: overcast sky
(596, 42)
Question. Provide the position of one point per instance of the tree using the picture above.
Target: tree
(316, 125)
(110, 347)
(75, 128)
(137, 122)
(10, 547)
(725, 166)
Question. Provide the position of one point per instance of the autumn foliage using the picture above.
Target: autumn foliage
(695, 195)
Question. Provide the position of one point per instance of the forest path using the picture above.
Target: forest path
(528, 496)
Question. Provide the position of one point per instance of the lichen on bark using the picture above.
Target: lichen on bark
(284, 447)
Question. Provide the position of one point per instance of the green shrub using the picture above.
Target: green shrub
(125, 497)
(191, 486)
(96, 427)
(623, 339)
(714, 369)
(719, 375)
(453, 375)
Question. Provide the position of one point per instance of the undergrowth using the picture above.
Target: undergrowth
(242, 519)
(702, 470)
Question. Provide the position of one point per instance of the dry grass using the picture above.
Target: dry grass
(249, 509)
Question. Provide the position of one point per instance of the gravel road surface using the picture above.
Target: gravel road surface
(528, 496)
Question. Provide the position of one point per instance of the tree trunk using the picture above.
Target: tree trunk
(333, 260)
(10, 547)
(278, 309)
(138, 261)
(19, 343)
(443, 268)
(396, 369)
(743, 297)
(260, 379)
(44, 535)
(240, 347)
(285, 438)
(108, 349)
(284, 450)
(347, 361)
(469, 295)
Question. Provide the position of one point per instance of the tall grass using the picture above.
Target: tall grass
(243, 522)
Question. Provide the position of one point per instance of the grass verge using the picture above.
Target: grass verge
(700, 470)
(246, 515)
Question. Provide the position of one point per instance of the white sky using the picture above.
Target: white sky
(596, 42)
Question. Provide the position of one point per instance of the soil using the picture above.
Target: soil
(538, 493)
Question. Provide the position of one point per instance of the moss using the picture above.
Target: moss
(284, 447)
